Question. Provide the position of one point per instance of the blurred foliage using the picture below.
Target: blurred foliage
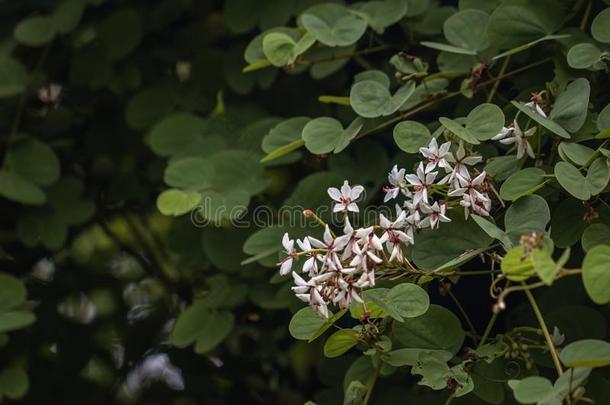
(132, 134)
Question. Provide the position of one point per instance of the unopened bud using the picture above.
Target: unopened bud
(308, 213)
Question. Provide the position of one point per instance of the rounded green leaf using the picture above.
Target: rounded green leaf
(582, 56)
(175, 133)
(146, 106)
(305, 323)
(120, 33)
(595, 234)
(600, 27)
(410, 300)
(189, 324)
(68, 14)
(284, 133)
(340, 342)
(467, 29)
(437, 329)
(12, 292)
(215, 328)
(531, 390)
(14, 382)
(13, 320)
(369, 98)
(586, 353)
(192, 174)
(35, 161)
(516, 265)
(278, 48)
(177, 202)
(457, 129)
(382, 14)
(485, 121)
(13, 77)
(528, 214)
(570, 108)
(411, 135)
(596, 274)
(321, 135)
(333, 24)
(575, 152)
(524, 182)
(19, 189)
(603, 119)
(567, 222)
(598, 176)
(572, 180)
(35, 31)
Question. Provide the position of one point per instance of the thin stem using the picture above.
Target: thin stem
(499, 79)
(371, 385)
(585, 17)
(488, 328)
(465, 316)
(450, 399)
(545, 332)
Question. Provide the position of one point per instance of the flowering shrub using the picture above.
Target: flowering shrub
(305, 201)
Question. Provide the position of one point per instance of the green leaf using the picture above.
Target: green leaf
(545, 122)
(570, 108)
(35, 161)
(410, 356)
(516, 265)
(369, 98)
(448, 48)
(567, 222)
(175, 133)
(598, 176)
(600, 27)
(177, 202)
(13, 77)
(437, 329)
(586, 353)
(12, 292)
(215, 328)
(146, 106)
(596, 274)
(572, 180)
(531, 390)
(411, 135)
(409, 299)
(283, 150)
(595, 234)
(467, 29)
(575, 153)
(305, 323)
(382, 14)
(603, 119)
(189, 174)
(278, 48)
(329, 322)
(19, 189)
(325, 134)
(459, 237)
(35, 31)
(14, 382)
(514, 23)
(340, 342)
(485, 121)
(13, 320)
(333, 24)
(492, 230)
(67, 15)
(120, 33)
(526, 215)
(522, 183)
(456, 128)
(284, 133)
(583, 56)
(544, 265)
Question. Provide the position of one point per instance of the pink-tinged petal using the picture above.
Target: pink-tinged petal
(334, 193)
(339, 207)
(356, 191)
(287, 243)
(353, 207)
(529, 132)
(444, 149)
(316, 298)
(356, 297)
(328, 237)
(540, 111)
(346, 190)
(298, 280)
(508, 141)
(430, 177)
(316, 243)
(341, 242)
(520, 150)
(304, 297)
(530, 150)
(479, 179)
(413, 179)
(472, 160)
(304, 244)
(286, 267)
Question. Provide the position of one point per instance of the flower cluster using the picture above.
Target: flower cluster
(339, 267)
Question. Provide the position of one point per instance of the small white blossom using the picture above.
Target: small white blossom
(346, 197)
(398, 184)
(435, 215)
(519, 138)
(535, 107)
(286, 264)
(436, 155)
(422, 182)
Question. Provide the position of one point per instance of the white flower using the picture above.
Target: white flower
(435, 155)
(519, 138)
(422, 181)
(286, 264)
(435, 215)
(460, 163)
(557, 337)
(311, 265)
(396, 178)
(535, 107)
(472, 199)
(393, 236)
(346, 197)
(332, 246)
